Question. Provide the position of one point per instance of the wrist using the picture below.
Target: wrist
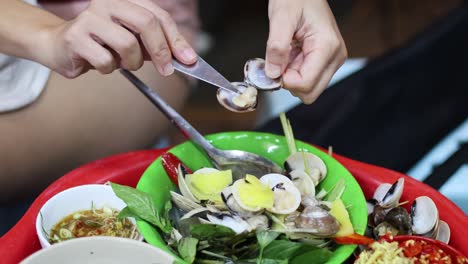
(41, 44)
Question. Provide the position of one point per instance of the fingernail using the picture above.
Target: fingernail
(168, 69)
(273, 71)
(189, 55)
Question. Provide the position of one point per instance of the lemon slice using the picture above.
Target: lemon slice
(209, 185)
(252, 195)
(338, 210)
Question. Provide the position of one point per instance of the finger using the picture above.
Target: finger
(302, 77)
(144, 22)
(120, 40)
(312, 95)
(97, 56)
(179, 46)
(279, 44)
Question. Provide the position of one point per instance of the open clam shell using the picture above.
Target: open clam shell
(245, 101)
(392, 197)
(287, 197)
(183, 186)
(233, 205)
(315, 165)
(425, 215)
(183, 202)
(254, 72)
(303, 182)
(443, 233)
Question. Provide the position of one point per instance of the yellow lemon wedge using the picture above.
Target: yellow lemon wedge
(209, 185)
(338, 210)
(252, 194)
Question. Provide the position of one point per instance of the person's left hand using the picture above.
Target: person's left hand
(304, 46)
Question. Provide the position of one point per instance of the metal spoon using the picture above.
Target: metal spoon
(240, 162)
(227, 90)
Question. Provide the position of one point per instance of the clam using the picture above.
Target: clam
(377, 216)
(183, 187)
(195, 212)
(254, 72)
(443, 232)
(303, 182)
(245, 101)
(287, 197)
(385, 228)
(381, 191)
(425, 215)
(234, 222)
(253, 195)
(371, 203)
(206, 184)
(399, 218)
(259, 222)
(183, 202)
(309, 201)
(393, 195)
(318, 221)
(234, 207)
(316, 168)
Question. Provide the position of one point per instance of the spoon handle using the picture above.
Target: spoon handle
(187, 130)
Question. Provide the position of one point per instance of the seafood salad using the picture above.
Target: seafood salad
(216, 217)
(284, 207)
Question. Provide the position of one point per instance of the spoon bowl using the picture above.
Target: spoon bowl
(240, 162)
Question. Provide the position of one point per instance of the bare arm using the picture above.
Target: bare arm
(23, 35)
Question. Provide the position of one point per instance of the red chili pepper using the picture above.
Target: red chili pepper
(171, 164)
(354, 239)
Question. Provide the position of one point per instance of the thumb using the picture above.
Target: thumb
(278, 45)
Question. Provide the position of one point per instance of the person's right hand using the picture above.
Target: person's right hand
(116, 33)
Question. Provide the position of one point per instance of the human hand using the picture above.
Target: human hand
(304, 46)
(110, 34)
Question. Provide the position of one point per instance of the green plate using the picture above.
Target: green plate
(156, 182)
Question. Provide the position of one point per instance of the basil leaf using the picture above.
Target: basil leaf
(316, 256)
(142, 205)
(209, 231)
(281, 249)
(187, 248)
(265, 237)
(126, 212)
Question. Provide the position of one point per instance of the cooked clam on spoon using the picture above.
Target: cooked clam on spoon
(255, 79)
(245, 101)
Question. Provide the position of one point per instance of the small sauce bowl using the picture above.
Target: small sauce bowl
(72, 200)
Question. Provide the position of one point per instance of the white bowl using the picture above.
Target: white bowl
(100, 250)
(72, 200)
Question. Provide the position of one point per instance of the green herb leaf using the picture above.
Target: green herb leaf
(187, 248)
(316, 256)
(281, 249)
(209, 231)
(264, 238)
(126, 212)
(142, 205)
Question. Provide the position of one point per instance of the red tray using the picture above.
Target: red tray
(21, 241)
